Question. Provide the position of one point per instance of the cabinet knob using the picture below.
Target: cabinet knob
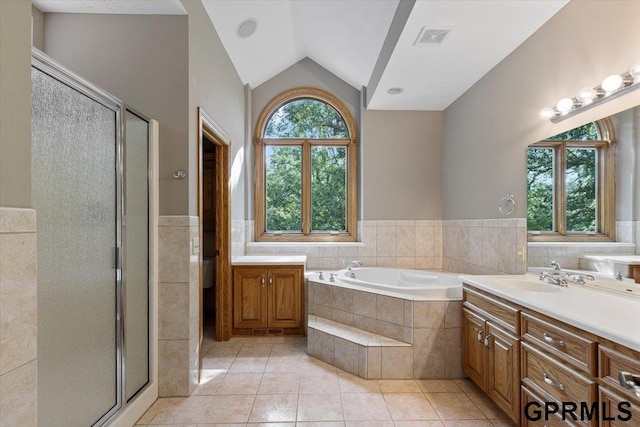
(262, 281)
(551, 340)
(270, 280)
(486, 340)
(630, 381)
(480, 331)
(547, 379)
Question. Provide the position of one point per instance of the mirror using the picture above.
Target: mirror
(584, 184)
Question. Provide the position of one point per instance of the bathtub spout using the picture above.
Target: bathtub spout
(354, 264)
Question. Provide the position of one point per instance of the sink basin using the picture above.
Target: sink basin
(527, 285)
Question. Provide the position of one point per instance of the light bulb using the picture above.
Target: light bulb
(546, 113)
(564, 105)
(635, 70)
(612, 83)
(586, 95)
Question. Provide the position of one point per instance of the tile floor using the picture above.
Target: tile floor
(273, 382)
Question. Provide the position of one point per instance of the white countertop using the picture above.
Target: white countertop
(619, 259)
(608, 315)
(269, 260)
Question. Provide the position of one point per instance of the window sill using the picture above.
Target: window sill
(594, 244)
(291, 244)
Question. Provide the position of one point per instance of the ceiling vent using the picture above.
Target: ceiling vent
(431, 36)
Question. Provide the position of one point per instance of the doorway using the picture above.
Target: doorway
(214, 210)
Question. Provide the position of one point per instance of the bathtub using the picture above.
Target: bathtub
(403, 283)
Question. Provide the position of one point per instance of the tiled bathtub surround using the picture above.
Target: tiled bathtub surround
(178, 309)
(485, 246)
(431, 327)
(568, 254)
(404, 244)
(18, 317)
(629, 232)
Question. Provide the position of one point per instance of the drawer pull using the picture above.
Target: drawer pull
(262, 281)
(630, 381)
(551, 340)
(547, 379)
(270, 280)
(486, 340)
(480, 331)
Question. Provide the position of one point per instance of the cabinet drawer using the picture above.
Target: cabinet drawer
(612, 362)
(561, 382)
(618, 412)
(506, 315)
(576, 349)
(533, 407)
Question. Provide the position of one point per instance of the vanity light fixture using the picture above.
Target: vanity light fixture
(611, 87)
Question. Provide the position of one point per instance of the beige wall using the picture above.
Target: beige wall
(38, 28)
(401, 165)
(143, 60)
(487, 129)
(216, 87)
(15, 103)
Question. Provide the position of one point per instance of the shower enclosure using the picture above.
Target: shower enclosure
(91, 191)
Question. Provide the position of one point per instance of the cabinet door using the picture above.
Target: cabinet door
(473, 350)
(249, 298)
(285, 308)
(503, 369)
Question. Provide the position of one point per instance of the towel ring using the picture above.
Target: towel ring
(507, 204)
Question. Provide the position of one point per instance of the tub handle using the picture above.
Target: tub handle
(480, 332)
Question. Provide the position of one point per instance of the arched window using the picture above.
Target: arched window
(306, 169)
(571, 185)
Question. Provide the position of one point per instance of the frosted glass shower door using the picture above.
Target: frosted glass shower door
(135, 239)
(74, 187)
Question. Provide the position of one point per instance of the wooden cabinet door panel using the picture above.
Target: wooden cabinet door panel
(249, 298)
(473, 350)
(284, 298)
(503, 370)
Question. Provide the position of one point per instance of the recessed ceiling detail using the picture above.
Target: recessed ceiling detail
(431, 37)
(482, 34)
(247, 28)
(345, 36)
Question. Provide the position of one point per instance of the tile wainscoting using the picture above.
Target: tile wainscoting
(404, 244)
(485, 246)
(178, 306)
(568, 254)
(18, 318)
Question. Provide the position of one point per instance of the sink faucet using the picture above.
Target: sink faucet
(554, 278)
(579, 278)
(354, 264)
(556, 266)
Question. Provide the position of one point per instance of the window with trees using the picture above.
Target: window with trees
(306, 169)
(571, 185)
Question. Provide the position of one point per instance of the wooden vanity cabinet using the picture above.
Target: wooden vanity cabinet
(507, 346)
(491, 350)
(268, 300)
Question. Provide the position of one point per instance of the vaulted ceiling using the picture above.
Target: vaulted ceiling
(382, 44)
